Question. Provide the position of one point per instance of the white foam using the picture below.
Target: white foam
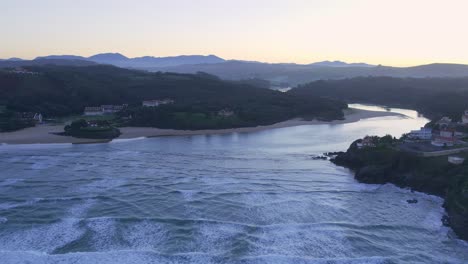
(110, 257)
(145, 235)
(43, 238)
(104, 233)
(123, 140)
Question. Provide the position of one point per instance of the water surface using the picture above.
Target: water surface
(235, 198)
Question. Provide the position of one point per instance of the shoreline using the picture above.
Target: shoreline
(418, 173)
(43, 134)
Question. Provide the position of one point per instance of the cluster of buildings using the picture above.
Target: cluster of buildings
(103, 109)
(447, 134)
(444, 137)
(24, 116)
(111, 109)
(366, 142)
(29, 117)
(156, 103)
(20, 70)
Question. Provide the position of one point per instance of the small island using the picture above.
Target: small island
(95, 129)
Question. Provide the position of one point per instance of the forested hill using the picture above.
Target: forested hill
(66, 90)
(433, 97)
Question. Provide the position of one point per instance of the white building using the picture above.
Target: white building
(422, 134)
(156, 103)
(93, 111)
(366, 142)
(465, 118)
(110, 109)
(103, 109)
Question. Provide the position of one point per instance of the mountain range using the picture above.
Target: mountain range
(278, 74)
(120, 60)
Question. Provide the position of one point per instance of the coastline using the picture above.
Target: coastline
(43, 134)
(387, 165)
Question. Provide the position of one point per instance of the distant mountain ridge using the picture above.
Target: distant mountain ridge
(341, 64)
(120, 60)
(150, 62)
(282, 74)
(278, 74)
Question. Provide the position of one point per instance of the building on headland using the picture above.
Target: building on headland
(456, 160)
(156, 103)
(465, 118)
(446, 138)
(103, 109)
(421, 134)
(366, 142)
(225, 113)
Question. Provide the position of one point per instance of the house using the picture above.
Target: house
(444, 122)
(29, 117)
(366, 142)
(156, 103)
(225, 113)
(421, 134)
(103, 109)
(110, 109)
(446, 138)
(465, 118)
(93, 111)
(456, 160)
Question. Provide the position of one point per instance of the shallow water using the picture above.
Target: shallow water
(236, 198)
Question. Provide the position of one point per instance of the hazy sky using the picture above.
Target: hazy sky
(390, 32)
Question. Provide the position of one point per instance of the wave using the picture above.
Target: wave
(123, 140)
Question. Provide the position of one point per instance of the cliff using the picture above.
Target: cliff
(383, 163)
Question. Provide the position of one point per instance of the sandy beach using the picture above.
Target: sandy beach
(43, 134)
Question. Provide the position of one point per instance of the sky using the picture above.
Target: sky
(388, 32)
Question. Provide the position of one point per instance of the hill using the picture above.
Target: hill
(433, 97)
(120, 60)
(295, 74)
(43, 62)
(278, 74)
(66, 90)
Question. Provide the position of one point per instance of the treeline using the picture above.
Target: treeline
(11, 121)
(97, 130)
(66, 90)
(434, 97)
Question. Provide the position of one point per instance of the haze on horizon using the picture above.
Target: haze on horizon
(398, 33)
